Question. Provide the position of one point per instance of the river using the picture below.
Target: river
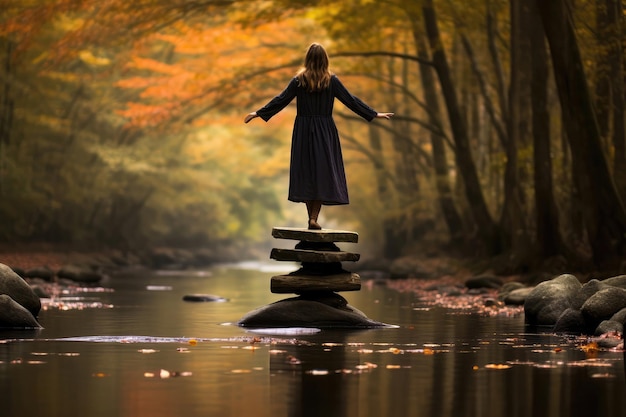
(134, 348)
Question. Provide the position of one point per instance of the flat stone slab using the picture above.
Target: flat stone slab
(301, 255)
(298, 284)
(307, 235)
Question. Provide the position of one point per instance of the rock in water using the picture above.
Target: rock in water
(14, 316)
(15, 287)
(302, 312)
(204, 298)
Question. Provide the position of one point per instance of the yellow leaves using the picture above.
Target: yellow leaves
(590, 349)
(89, 58)
(498, 366)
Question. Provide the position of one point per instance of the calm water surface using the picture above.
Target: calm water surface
(115, 359)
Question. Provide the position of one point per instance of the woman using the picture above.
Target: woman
(316, 175)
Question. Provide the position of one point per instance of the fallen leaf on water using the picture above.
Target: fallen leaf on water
(100, 375)
(498, 366)
(318, 372)
(603, 376)
(240, 371)
(164, 374)
(293, 360)
(251, 347)
(367, 365)
(393, 367)
(193, 342)
(147, 351)
(590, 349)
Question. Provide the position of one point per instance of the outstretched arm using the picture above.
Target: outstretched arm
(276, 104)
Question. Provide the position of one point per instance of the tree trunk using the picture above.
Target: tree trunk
(602, 99)
(548, 234)
(485, 225)
(512, 223)
(616, 68)
(603, 211)
(440, 161)
(392, 245)
(6, 107)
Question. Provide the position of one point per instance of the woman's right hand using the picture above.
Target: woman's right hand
(384, 115)
(250, 116)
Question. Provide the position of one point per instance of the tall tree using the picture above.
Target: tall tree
(485, 226)
(445, 195)
(603, 211)
(548, 234)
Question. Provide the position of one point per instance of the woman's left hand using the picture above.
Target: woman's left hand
(384, 115)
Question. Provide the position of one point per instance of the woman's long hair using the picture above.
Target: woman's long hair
(315, 75)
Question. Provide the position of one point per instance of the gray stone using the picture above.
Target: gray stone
(295, 283)
(518, 297)
(323, 235)
(618, 281)
(507, 287)
(587, 290)
(571, 321)
(620, 316)
(15, 316)
(307, 312)
(298, 255)
(484, 281)
(609, 326)
(549, 299)
(15, 287)
(40, 272)
(609, 342)
(604, 304)
(204, 298)
(79, 273)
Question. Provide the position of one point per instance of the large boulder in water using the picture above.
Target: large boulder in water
(13, 315)
(15, 287)
(604, 304)
(324, 311)
(549, 299)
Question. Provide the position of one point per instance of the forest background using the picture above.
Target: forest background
(121, 125)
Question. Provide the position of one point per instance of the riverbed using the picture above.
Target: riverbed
(133, 347)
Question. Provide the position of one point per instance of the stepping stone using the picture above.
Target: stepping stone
(307, 235)
(347, 281)
(204, 298)
(299, 255)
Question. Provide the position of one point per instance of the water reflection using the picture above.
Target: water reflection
(437, 363)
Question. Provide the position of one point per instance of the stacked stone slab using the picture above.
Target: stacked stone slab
(316, 284)
(321, 261)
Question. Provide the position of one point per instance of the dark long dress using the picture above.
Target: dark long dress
(317, 171)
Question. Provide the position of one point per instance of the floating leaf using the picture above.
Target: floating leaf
(497, 366)
(318, 372)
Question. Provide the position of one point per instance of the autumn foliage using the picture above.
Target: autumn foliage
(121, 123)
